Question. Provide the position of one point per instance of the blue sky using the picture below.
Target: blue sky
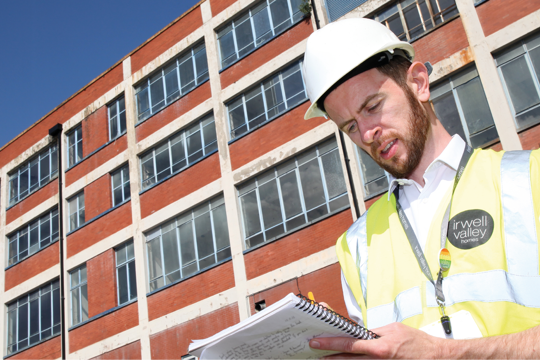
(50, 49)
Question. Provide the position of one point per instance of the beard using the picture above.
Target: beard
(414, 140)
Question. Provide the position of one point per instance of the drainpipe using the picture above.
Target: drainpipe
(56, 132)
(341, 137)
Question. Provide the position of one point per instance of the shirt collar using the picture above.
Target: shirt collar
(450, 156)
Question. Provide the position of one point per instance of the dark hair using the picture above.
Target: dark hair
(395, 67)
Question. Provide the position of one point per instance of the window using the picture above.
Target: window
(79, 295)
(171, 81)
(373, 177)
(292, 194)
(75, 153)
(192, 242)
(461, 105)
(256, 26)
(117, 118)
(33, 174)
(337, 8)
(125, 273)
(33, 317)
(519, 69)
(178, 152)
(267, 100)
(76, 211)
(120, 185)
(33, 236)
(409, 19)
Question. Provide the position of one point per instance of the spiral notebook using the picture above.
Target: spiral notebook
(281, 331)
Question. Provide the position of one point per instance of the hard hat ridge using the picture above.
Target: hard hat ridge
(344, 49)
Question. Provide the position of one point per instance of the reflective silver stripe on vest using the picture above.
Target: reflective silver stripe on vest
(518, 214)
(357, 240)
(488, 286)
(407, 304)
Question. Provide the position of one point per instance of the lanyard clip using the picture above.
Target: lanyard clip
(445, 320)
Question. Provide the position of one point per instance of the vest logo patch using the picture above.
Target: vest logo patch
(470, 229)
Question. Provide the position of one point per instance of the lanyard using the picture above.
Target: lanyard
(413, 240)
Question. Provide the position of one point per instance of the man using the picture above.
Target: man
(395, 259)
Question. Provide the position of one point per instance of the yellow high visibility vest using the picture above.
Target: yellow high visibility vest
(495, 278)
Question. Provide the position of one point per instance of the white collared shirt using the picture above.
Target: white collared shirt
(419, 203)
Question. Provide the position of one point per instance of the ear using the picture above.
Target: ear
(419, 80)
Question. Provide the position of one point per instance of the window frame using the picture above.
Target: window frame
(125, 247)
(363, 177)
(188, 216)
(148, 81)
(454, 81)
(304, 212)
(78, 157)
(261, 86)
(206, 150)
(14, 306)
(443, 16)
(80, 209)
(50, 151)
(15, 236)
(79, 289)
(123, 184)
(118, 118)
(248, 11)
(525, 53)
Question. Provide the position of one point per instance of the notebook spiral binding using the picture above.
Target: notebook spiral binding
(333, 318)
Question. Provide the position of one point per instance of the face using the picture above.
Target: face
(383, 119)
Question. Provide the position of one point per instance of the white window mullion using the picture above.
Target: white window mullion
(213, 232)
(265, 105)
(263, 227)
(281, 202)
(194, 232)
(300, 190)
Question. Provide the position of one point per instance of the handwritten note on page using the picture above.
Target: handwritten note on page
(281, 331)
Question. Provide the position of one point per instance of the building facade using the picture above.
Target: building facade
(182, 191)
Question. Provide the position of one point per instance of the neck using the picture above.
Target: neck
(437, 140)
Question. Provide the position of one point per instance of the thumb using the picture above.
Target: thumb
(336, 344)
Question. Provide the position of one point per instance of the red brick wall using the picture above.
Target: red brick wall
(276, 133)
(262, 55)
(497, 14)
(49, 349)
(190, 291)
(530, 138)
(62, 114)
(174, 342)
(32, 201)
(101, 282)
(180, 185)
(372, 200)
(129, 351)
(101, 157)
(173, 111)
(35, 264)
(437, 46)
(95, 130)
(218, 6)
(155, 47)
(325, 284)
(297, 245)
(104, 327)
(98, 230)
(97, 197)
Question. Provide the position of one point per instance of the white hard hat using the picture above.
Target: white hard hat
(336, 49)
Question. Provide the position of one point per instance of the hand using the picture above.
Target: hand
(396, 341)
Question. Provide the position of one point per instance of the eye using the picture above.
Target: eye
(352, 127)
(374, 107)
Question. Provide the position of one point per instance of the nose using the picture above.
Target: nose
(371, 131)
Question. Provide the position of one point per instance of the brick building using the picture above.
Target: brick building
(190, 190)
